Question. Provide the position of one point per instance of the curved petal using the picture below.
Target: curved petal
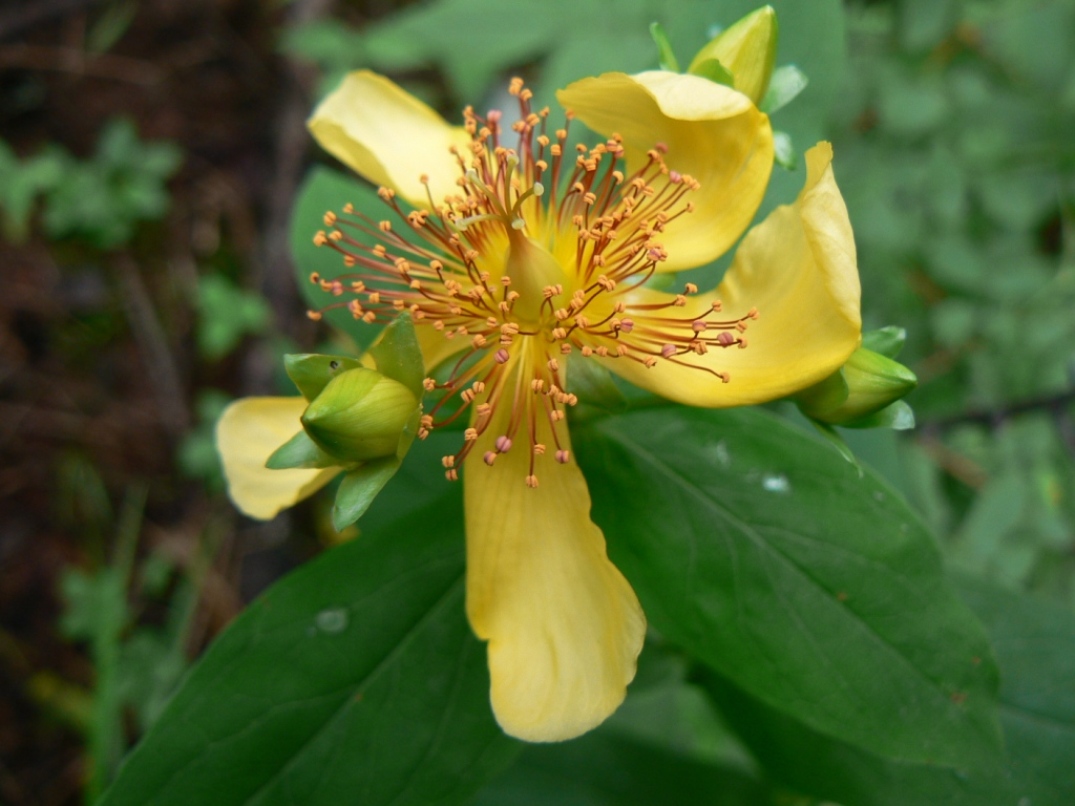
(564, 627)
(798, 269)
(712, 132)
(388, 136)
(247, 433)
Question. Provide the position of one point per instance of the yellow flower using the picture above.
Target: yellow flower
(519, 256)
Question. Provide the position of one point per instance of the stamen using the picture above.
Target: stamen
(591, 229)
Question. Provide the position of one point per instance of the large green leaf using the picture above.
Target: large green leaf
(353, 680)
(1035, 644)
(768, 557)
(602, 769)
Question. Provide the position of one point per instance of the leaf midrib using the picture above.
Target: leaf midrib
(685, 481)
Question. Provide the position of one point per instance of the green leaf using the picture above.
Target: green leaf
(311, 372)
(322, 191)
(888, 341)
(665, 54)
(1033, 641)
(359, 488)
(768, 557)
(786, 83)
(714, 71)
(300, 451)
(601, 769)
(398, 355)
(353, 680)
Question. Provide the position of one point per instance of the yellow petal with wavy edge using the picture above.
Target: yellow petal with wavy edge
(389, 136)
(798, 269)
(564, 627)
(248, 432)
(712, 132)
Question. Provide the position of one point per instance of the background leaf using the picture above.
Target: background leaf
(768, 557)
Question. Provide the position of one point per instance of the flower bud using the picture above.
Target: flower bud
(867, 383)
(747, 50)
(361, 415)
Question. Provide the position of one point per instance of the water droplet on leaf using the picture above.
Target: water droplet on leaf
(775, 483)
(333, 620)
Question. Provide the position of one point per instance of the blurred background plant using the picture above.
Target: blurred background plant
(150, 156)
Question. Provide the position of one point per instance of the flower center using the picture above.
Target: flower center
(534, 260)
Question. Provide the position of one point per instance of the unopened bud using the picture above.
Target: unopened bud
(361, 415)
(747, 50)
(867, 383)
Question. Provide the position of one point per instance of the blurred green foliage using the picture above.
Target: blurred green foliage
(954, 153)
(101, 199)
(227, 313)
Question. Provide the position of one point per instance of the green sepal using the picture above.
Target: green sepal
(827, 395)
(784, 151)
(398, 355)
(888, 341)
(359, 488)
(898, 416)
(311, 372)
(666, 57)
(300, 452)
(746, 50)
(714, 71)
(594, 385)
(785, 84)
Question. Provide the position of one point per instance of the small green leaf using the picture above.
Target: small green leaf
(769, 558)
(665, 55)
(786, 83)
(714, 71)
(888, 341)
(359, 488)
(300, 451)
(398, 355)
(784, 151)
(311, 372)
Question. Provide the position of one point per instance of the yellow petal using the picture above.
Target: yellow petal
(798, 269)
(388, 136)
(564, 627)
(248, 432)
(712, 132)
